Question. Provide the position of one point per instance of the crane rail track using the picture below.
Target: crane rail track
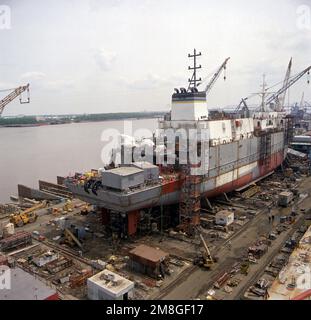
(68, 252)
(181, 278)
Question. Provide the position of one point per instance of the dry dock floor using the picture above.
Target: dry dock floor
(196, 284)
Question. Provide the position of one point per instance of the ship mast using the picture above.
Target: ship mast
(263, 94)
(193, 81)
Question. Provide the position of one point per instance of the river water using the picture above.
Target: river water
(30, 154)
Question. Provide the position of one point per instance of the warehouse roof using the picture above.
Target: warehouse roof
(148, 254)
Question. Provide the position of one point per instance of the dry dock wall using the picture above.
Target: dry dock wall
(55, 189)
(26, 192)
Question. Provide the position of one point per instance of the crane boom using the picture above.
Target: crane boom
(281, 99)
(242, 103)
(302, 101)
(10, 97)
(244, 110)
(216, 76)
(208, 253)
(288, 85)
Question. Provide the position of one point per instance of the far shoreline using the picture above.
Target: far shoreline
(61, 121)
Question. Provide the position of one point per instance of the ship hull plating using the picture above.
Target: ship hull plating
(231, 166)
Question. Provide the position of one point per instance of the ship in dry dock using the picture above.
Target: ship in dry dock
(230, 151)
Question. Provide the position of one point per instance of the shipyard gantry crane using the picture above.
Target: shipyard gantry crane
(14, 94)
(278, 97)
(280, 100)
(298, 109)
(304, 105)
(244, 111)
(274, 97)
(302, 101)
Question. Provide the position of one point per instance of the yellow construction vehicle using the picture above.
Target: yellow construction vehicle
(85, 210)
(68, 207)
(71, 239)
(204, 259)
(56, 211)
(26, 216)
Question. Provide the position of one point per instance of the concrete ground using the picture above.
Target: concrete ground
(199, 281)
(189, 282)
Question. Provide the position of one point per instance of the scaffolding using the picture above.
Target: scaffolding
(265, 148)
(80, 279)
(289, 130)
(190, 199)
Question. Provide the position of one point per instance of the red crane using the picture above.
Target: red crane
(14, 94)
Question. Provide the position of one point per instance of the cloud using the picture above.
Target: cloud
(34, 78)
(105, 59)
(96, 5)
(270, 66)
(33, 75)
(150, 81)
(40, 80)
(151, 41)
(59, 84)
(7, 85)
(289, 41)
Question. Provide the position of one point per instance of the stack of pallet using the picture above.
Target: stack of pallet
(17, 240)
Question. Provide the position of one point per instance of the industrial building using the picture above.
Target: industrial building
(148, 260)
(107, 285)
(224, 217)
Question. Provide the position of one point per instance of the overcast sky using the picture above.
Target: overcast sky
(91, 56)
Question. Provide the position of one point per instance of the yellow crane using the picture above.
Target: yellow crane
(204, 259)
(71, 239)
(68, 207)
(26, 216)
(207, 257)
